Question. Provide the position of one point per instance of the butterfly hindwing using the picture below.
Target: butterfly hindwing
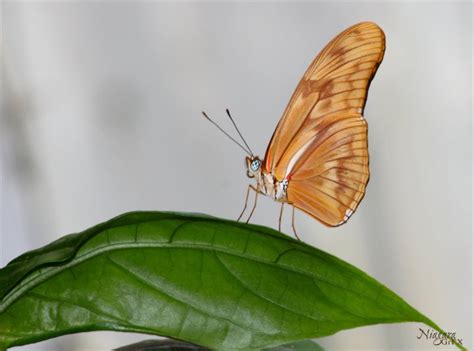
(331, 180)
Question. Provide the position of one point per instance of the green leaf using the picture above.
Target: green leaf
(304, 345)
(217, 283)
(173, 345)
(161, 345)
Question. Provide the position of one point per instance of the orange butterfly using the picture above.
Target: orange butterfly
(317, 159)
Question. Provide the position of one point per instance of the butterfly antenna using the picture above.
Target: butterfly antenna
(227, 134)
(238, 131)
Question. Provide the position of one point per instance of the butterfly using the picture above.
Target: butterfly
(317, 159)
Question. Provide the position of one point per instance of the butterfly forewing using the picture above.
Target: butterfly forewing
(320, 143)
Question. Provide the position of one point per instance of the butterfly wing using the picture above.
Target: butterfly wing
(320, 143)
(329, 181)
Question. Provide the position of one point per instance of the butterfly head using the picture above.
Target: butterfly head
(254, 166)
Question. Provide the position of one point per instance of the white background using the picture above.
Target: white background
(102, 116)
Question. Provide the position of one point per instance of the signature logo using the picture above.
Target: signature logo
(437, 337)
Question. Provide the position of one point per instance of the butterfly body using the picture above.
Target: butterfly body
(267, 184)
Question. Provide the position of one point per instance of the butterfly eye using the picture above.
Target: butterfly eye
(255, 166)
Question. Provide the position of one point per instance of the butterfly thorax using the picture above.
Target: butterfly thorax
(267, 184)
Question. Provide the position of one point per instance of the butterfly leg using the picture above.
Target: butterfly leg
(293, 224)
(257, 190)
(281, 214)
(246, 202)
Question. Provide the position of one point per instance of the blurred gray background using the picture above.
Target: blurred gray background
(101, 115)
